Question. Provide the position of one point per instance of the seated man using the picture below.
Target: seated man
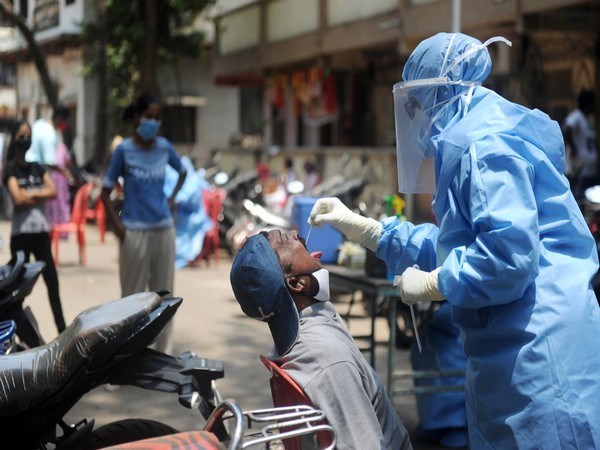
(276, 280)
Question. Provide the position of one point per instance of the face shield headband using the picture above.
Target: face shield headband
(417, 111)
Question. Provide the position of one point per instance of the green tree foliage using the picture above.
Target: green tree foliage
(127, 40)
(121, 30)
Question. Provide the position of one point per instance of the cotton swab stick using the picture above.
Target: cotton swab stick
(308, 235)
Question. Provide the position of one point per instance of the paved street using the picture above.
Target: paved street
(209, 322)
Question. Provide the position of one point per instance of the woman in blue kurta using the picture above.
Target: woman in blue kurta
(515, 257)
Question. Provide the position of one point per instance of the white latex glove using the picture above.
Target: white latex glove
(417, 285)
(362, 230)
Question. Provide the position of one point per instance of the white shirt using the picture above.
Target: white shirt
(44, 141)
(584, 137)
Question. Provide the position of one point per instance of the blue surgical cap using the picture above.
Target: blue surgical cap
(436, 54)
(440, 56)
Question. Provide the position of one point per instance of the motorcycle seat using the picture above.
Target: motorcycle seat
(30, 376)
(10, 271)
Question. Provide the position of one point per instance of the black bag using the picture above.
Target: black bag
(375, 267)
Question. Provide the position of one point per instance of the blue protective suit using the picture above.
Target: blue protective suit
(191, 221)
(442, 416)
(516, 261)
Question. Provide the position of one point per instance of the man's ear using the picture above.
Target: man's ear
(299, 284)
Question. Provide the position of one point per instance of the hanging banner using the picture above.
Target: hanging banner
(314, 94)
(322, 107)
(45, 14)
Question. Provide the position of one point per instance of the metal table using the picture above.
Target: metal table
(379, 290)
(394, 375)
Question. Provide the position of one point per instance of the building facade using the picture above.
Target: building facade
(198, 115)
(322, 71)
(312, 78)
(282, 46)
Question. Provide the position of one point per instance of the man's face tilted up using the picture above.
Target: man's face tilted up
(273, 277)
(296, 262)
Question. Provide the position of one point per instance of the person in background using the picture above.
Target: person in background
(313, 175)
(193, 221)
(512, 253)
(145, 228)
(288, 174)
(580, 139)
(30, 186)
(7, 204)
(48, 149)
(277, 281)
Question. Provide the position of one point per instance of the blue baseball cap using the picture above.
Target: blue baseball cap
(259, 287)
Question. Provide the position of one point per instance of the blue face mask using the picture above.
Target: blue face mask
(148, 129)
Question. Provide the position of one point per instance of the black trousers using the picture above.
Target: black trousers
(38, 244)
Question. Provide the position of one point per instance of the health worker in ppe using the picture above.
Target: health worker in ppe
(514, 254)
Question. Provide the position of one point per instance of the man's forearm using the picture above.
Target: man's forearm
(111, 214)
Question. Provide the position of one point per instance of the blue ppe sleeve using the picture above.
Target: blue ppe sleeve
(495, 194)
(403, 244)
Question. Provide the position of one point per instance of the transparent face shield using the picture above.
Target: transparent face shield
(413, 127)
(416, 110)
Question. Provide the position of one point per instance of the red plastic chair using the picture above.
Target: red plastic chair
(76, 225)
(213, 201)
(286, 392)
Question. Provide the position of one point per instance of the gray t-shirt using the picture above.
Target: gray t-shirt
(27, 219)
(326, 362)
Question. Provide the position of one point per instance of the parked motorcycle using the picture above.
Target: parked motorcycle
(242, 186)
(106, 344)
(8, 330)
(254, 217)
(17, 279)
(276, 426)
(349, 192)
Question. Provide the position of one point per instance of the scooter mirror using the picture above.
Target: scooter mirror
(221, 178)
(295, 187)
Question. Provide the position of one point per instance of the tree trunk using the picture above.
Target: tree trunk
(35, 51)
(148, 66)
(101, 144)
